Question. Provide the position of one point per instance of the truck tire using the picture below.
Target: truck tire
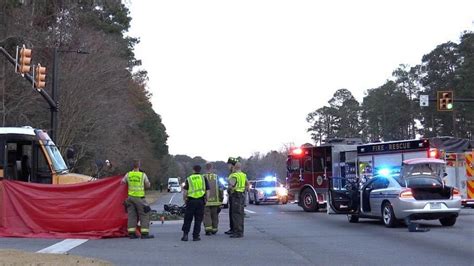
(448, 221)
(309, 201)
(388, 216)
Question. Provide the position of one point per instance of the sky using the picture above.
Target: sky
(231, 78)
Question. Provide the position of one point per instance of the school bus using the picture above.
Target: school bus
(29, 155)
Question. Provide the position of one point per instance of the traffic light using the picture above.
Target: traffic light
(445, 100)
(25, 60)
(40, 76)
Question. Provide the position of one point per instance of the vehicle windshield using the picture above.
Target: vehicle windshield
(261, 184)
(173, 184)
(59, 166)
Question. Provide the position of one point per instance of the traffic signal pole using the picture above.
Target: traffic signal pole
(54, 92)
(52, 104)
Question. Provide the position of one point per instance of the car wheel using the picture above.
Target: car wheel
(309, 202)
(448, 221)
(257, 202)
(226, 206)
(388, 216)
(352, 218)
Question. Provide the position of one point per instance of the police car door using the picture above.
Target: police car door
(343, 195)
(377, 195)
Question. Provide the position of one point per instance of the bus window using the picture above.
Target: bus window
(19, 160)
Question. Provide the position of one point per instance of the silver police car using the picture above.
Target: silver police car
(267, 190)
(416, 192)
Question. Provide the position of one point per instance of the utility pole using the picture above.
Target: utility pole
(3, 33)
(54, 111)
(55, 91)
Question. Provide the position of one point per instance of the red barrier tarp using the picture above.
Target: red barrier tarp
(86, 210)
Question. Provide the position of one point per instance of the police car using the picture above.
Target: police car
(267, 190)
(416, 192)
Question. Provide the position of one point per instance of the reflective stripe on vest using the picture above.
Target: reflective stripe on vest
(136, 184)
(214, 199)
(240, 178)
(196, 185)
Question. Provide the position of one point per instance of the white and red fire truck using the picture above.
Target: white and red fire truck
(309, 168)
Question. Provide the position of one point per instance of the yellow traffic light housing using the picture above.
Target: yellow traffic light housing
(24, 61)
(40, 76)
(445, 100)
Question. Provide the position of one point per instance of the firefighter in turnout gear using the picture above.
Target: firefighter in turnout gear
(238, 184)
(137, 207)
(211, 212)
(195, 195)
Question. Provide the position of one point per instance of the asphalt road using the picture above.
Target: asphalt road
(284, 235)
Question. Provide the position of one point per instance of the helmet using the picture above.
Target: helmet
(232, 160)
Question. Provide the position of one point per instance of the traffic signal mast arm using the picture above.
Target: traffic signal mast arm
(52, 104)
(458, 100)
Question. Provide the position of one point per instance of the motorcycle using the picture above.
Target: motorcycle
(175, 209)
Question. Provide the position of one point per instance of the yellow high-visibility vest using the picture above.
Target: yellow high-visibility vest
(136, 184)
(197, 186)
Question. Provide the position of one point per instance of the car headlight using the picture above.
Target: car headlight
(281, 191)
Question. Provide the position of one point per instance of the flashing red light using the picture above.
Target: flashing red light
(433, 153)
(297, 151)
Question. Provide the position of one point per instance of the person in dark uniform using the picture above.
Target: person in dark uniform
(238, 184)
(195, 195)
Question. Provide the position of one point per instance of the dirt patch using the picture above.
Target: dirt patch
(16, 257)
(152, 196)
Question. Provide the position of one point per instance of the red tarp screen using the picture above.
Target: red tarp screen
(87, 210)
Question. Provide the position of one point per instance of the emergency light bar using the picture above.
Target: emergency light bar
(297, 151)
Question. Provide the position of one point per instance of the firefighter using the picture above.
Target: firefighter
(211, 212)
(136, 204)
(238, 184)
(195, 193)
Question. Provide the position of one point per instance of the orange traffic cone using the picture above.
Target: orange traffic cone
(138, 230)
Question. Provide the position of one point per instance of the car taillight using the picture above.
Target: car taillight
(456, 193)
(406, 194)
(433, 153)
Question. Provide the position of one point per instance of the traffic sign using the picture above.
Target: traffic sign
(424, 100)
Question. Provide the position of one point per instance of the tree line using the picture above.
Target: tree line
(256, 166)
(390, 112)
(104, 104)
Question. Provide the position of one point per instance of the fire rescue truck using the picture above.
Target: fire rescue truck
(309, 168)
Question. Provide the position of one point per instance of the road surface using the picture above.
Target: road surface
(283, 235)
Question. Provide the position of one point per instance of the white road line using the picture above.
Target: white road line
(249, 211)
(171, 198)
(64, 246)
